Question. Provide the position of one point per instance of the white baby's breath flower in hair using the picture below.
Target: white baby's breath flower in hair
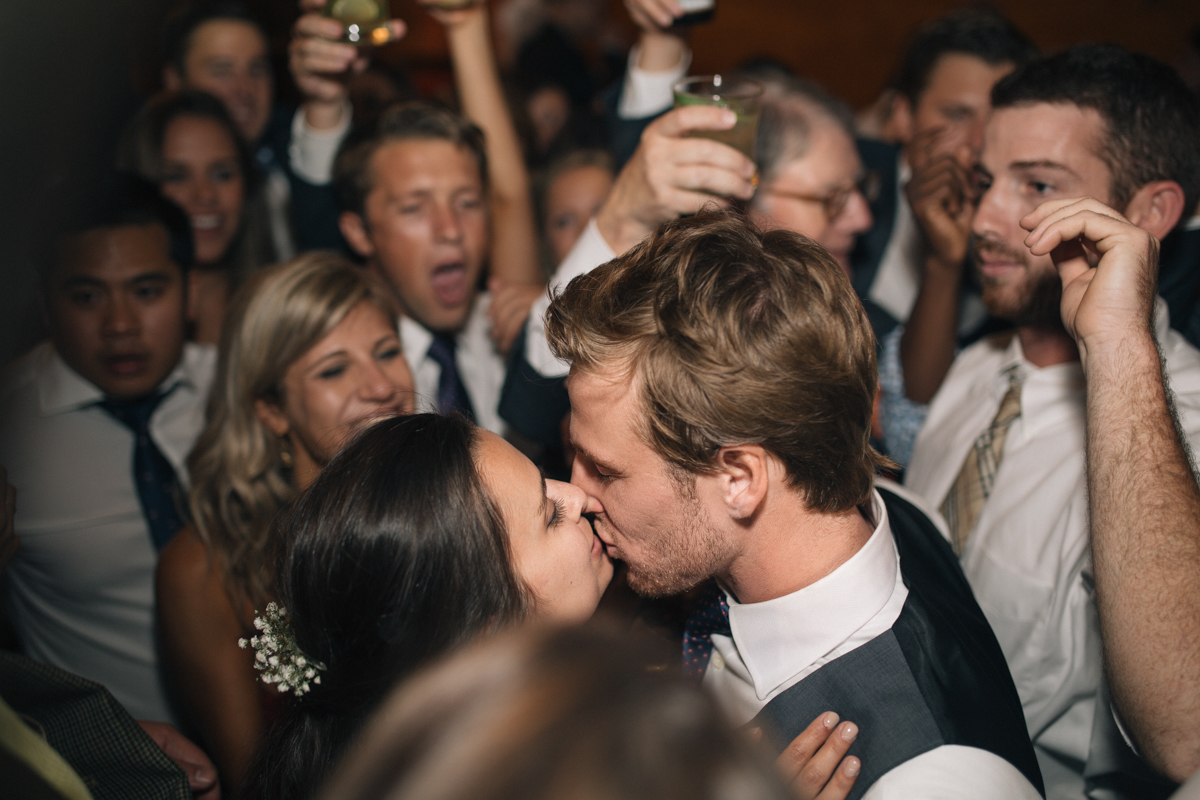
(278, 657)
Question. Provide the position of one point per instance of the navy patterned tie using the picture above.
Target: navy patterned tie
(711, 616)
(155, 478)
(452, 393)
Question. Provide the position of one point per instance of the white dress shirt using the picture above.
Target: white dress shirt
(899, 275)
(81, 586)
(480, 366)
(1028, 558)
(588, 253)
(777, 643)
(645, 93)
(898, 279)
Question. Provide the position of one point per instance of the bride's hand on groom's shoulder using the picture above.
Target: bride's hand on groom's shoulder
(815, 764)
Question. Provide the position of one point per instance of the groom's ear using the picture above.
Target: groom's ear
(742, 479)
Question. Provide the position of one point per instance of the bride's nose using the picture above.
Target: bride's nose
(575, 501)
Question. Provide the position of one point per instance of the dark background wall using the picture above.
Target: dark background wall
(71, 71)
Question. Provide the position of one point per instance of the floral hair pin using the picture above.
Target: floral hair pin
(278, 658)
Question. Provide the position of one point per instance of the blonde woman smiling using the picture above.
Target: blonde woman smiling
(308, 356)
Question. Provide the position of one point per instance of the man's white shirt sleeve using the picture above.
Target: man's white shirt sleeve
(588, 253)
(312, 151)
(952, 772)
(646, 93)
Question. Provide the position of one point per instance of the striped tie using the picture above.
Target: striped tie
(973, 486)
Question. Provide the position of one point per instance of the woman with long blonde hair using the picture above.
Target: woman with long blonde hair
(309, 355)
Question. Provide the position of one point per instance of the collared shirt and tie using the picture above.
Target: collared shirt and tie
(81, 587)
(759, 650)
(1027, 553)
(457, 372)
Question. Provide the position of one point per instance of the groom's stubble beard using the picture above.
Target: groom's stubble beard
(683, 553)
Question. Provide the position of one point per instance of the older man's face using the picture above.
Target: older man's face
(817, 194)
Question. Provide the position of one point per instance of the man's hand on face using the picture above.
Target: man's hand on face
(321, 63)
(1109, 271)
(672, 174)
(201, 774)
(943, 203)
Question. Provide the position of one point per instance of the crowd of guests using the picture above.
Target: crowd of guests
(870, 455)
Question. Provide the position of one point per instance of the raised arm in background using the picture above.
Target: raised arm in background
(320, 65)
(1144, 500)
(660, 47)
(515, 271)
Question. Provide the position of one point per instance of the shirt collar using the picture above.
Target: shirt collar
(777, 638)
(415, 339)
(62, 389)
(1049, 395)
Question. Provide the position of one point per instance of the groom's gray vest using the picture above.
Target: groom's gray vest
(937, 677)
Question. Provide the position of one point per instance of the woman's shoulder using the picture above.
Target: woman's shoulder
(186, 566)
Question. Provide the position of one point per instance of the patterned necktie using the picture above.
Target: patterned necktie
(155, 478)
(452, 393)
(711, 616)
(973, 486)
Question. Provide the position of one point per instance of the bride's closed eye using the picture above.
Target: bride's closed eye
(559, 512)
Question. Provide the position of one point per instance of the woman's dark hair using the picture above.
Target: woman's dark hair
(394, 556)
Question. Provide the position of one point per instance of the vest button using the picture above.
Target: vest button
(717, 661)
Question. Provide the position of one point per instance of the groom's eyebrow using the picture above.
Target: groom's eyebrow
(596, 462)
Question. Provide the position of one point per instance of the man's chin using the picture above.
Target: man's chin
(656, 585)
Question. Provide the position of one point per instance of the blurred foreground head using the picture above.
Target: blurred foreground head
(552, 713)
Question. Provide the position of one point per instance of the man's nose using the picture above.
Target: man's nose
(856, 216)
(447, 225)
(992, 213)
(120, 318)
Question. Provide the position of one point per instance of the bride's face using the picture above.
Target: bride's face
(554, 548)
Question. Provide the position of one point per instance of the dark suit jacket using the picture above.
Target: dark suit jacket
(883, 159)
(314, 208)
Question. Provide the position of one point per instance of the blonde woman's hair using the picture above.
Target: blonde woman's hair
(239, 479)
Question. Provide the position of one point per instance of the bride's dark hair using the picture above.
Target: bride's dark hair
(394, 555)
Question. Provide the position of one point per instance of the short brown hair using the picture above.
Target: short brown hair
(539, 713)
(352, 179)
(735, 336)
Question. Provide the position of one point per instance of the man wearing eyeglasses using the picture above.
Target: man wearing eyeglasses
(811, 179)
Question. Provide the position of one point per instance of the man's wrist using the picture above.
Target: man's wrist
(620, 231)
(325, 115)
(660, 52)
(1122, 356)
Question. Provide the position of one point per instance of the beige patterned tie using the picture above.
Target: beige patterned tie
(971, 488)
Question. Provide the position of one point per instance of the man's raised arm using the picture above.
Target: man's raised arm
(1144, 500)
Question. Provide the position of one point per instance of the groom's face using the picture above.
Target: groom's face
(651, 518)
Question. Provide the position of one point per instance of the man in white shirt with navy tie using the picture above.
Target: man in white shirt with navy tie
(95, 427)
